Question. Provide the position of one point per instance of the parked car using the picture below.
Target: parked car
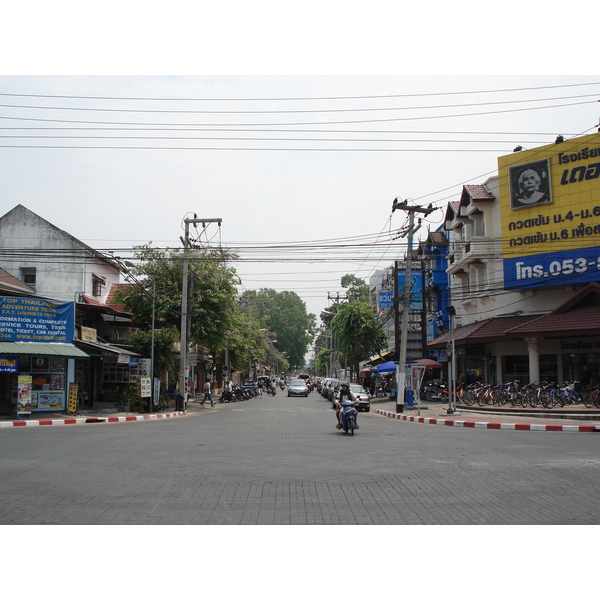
(364, 398)
(297, 387)
(324, 384)
(331, 387)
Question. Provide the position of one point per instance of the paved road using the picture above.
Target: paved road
(281, 461)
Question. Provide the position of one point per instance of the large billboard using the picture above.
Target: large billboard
(415, 289)
(550, 206)
(36, 320)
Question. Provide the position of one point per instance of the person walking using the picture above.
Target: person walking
(208, 394)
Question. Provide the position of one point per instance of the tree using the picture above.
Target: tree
(358, 332)
(358, 290)
(284, 314)
(164, 341)
(212, 293)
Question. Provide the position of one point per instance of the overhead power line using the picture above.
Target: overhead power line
(370, 97)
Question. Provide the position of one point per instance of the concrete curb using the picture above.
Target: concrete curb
(491, 425)
(90, 419)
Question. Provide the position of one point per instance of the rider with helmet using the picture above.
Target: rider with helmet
(345, 395)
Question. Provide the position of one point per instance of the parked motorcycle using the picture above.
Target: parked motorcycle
(349, 416)
(228, 396)
(435, 393)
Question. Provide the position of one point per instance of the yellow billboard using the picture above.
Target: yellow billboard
(550, 208)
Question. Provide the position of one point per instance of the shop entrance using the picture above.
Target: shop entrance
(6, 388)
(573, 365)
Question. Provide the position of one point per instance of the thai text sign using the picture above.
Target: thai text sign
(550, 206)
(36, 320)
(386, 299)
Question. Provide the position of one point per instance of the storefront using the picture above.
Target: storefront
(552, 347)
(36, 353)
(109, 371)
(36, 377)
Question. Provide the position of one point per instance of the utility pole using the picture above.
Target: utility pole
(183, 366)
(409, 231)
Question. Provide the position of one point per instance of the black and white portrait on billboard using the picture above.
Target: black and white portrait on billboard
(530, 184)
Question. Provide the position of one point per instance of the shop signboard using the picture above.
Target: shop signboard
(415, 289)
(386, 299)
(72, 399)
(550, 207)
(144, 387)
(25, 383)
(8, 365)
(36, 320)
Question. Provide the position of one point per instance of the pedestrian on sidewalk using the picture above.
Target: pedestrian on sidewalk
(207, 394)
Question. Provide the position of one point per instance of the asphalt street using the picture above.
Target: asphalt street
(280, 461)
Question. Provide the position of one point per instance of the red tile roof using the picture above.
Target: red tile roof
(578, 316)
(477, 193)
(586, 322)
(110, 299)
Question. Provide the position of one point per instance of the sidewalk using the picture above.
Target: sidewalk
(88, 416)
(575, 419)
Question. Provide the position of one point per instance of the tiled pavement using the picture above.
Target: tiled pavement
(570, 419)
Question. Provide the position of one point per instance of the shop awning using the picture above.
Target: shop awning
(36, 349)
(103, 349)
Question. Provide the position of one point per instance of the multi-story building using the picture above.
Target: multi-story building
(524, 263)
(51, 261)
(57, 321)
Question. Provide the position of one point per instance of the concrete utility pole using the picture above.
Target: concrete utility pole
(183, 365)
(408, 231)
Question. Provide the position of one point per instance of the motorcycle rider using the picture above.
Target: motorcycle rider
(345, 395)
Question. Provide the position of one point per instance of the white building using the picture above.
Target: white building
(51, 261)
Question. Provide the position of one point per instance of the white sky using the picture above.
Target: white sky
(270, 191)
(196, 51)
(275, 193)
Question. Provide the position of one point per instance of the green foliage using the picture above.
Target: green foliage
(126, 395)
(358, 290)
(165, 358)
(321, 362)
(358, 332)
(283, 314)
(212, 292)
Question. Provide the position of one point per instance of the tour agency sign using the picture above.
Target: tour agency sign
(550, 206)
(36, 320)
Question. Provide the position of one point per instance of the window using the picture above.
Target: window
(97, 284)
(28, 276)
(114, 372)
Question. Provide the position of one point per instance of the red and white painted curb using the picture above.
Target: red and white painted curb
(90, 419)
(488, 425)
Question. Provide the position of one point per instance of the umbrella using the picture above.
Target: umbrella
(387, 367)
(427, 362)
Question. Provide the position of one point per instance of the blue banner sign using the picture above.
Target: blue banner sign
(386, 299)
(8, 365)
(415, 289)
(36, 320)
(554, 268)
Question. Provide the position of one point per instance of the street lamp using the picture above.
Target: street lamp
(152, 347)
(130, 264)
(452, 401)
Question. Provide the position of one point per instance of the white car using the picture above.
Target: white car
(364, 399)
